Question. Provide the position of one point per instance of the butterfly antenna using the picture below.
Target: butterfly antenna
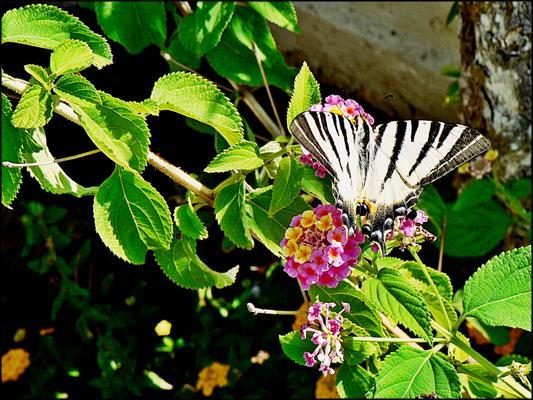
(387, 97)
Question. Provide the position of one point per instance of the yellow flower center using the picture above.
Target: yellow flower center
(290, 248)
(293, 233)
(303, 254)
(325, 223)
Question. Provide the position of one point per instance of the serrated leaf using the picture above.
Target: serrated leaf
(305, 93)
(241, 156)
(287, 184)
(189, 223)
(499, 293)
(145, 107)
(231, 215)
(47, 26)
(318, 187)
(356, 351)
(131, 216)
(134, 24)
(271, 229)
(353, 381)
(116, 130)
(11, 151)
(50, 175)
(184, 267)
(395, 297)
(196, 97)
(294, 346)
(39, 73)
(441, 280)
(71, 56)
(478, 382)
(281, 13)
(422, 372)
(445, 318)
(201, 31)
(388, 262)
(236, 48)
(76, 89)
(34, 108)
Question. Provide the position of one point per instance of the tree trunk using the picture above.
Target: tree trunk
(495, 83)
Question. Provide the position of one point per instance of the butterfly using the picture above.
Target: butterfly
(378, 173)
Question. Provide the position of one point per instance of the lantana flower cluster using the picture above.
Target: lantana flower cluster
(335, 104)
(407, 230)
(480, 166)
(318, 249)
(325, 327)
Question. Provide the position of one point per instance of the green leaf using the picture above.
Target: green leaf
(478, 382)
(281, 13)
(182, 265)
(131, 216)
(441, 280)
(241, 156)
(445, 318)
(356, 351)
(388, 262)
(271, 229)
(133, 24)
(71, 56)
(76, 89)
(294, 346)
(476, 192)
(353, 381)
(180, 55)
(34, 108)
(202, 30)
(497, 335)
(520, 188)
(361, 313)
(318, 187)
(196, 97)
(431, 202)
(306, 92)
(145, 107)
(394, 296)
(454, 11)
(287, 184)
(47, 26)
(236, 48)
(499, 293)
(231, 215)
(189, 223)
(116, 130)
(451, 71)
(50, 176)
(409, 372)
(39, 73)
(11, 151)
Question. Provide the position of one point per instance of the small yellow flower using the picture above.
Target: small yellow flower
(163, 328)
(326, 387)
(336, 110)
(325, 223)
(14, 363)
(464, 169)
(293, 233)
(303, 254)
(308, 218)
(20, 335)
(212, 376)
(290, 248)
(260, 357)
(491, 155)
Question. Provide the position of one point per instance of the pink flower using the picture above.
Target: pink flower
(406, 231)
(335, 100)
(408, 227)
(316, 107)
(337, 237)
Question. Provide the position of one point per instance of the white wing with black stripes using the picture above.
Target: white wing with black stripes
(379, 173)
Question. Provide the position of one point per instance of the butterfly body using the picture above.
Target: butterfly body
(378, 173)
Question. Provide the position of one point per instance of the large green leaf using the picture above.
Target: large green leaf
(133, 24)
(409, 372)
(34, 108)
(499, 293)
(441, 280)
(395, 297)
(281, 13)
(11, 151)
(236, 48)
(50, 175)
(196, 97)
(294, 346)
(201, 31)
(241, 156)
(180, 58)
(305, 93)
(74, 88)
(318, 187)
(47, 26)
(182, 265)
(116, 130)
(231, 215)
(131, 216)
(431, 202)
(71, 56)
(287, 184)
(38, 73)
(189, 223)
(353, 381)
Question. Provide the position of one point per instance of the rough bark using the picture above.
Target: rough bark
(495, 84)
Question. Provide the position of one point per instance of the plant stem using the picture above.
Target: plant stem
(441, 248)
(55, 161)
(254, 310)
(228, 181)
(397, 331)
(393, 340)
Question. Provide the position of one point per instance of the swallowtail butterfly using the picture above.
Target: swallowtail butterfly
(378, 173)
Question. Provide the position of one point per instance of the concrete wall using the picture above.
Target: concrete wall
(373, 49)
